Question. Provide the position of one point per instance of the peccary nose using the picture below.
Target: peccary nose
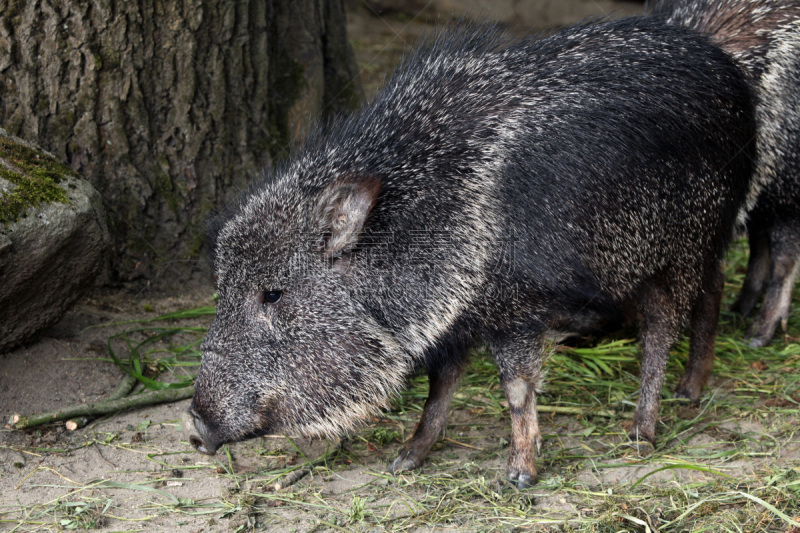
(200, 436)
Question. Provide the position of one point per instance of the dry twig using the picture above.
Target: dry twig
(103, 407)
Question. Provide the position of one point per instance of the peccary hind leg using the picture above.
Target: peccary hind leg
(705, 315)
(520, 364)
(785, 254)
(660, 326)
(757, 272)
(443, 379)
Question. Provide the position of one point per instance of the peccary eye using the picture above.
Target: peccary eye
(272, 297)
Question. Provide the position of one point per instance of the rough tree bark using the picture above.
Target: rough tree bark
(168, 108)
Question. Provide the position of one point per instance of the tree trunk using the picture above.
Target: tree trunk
(169, 108)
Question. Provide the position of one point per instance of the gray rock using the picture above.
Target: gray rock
(51, 252)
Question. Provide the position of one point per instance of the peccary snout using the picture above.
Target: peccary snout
(201, 436)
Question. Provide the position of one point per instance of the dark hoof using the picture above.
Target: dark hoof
(643, 448)
(758, 342)
(761, 332)
(522, 480)
(686, 396)
(404, 463)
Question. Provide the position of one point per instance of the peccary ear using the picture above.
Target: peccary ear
(343, 209)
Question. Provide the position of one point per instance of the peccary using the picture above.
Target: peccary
(764, 38)
(493, 189)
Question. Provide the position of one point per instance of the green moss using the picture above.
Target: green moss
(196, 243)
(62, 126)
(36, 177)
(163, 185)
(198, 238)
(13, 10)
(109, 59)
(42, 104)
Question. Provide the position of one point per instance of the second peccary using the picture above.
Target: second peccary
(494, 189)
(764, 38)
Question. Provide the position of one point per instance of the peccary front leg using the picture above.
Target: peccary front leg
(659, 331)
(705, 316)
(785, 254)
(520, 364)
(443, 381)
(756, 277)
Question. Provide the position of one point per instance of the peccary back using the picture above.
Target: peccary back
(495, 188)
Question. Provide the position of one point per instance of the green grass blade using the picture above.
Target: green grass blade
(786, 518)
(682, 466)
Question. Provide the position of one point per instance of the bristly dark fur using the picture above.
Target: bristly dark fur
(495, 188)
(764, 38)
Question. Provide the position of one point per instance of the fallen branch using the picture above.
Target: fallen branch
(293, 477)
(103, 407)
(562, 410)
(123, 389)
(76, 423)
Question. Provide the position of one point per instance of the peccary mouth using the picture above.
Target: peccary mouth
(206, 440)
(200, 437)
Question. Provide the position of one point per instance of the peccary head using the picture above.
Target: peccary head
(291, 349)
